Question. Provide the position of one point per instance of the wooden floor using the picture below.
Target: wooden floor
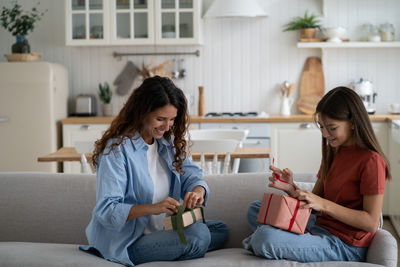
(387, 225)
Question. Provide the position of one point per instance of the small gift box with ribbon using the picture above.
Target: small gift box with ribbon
(183, 218)
(283, 212)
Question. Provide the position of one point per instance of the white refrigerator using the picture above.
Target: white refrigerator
(33, 100)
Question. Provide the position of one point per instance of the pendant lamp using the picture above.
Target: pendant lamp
(235, 8)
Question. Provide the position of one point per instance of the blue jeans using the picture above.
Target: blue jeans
(273, 243)
(166, 246)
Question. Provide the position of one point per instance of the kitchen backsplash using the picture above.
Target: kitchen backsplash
(242, 61)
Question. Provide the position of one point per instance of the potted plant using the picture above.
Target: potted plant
(105, 95)
(308, 25)
(19, 22)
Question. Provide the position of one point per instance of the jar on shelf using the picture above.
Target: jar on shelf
(387, 32)
(374, 35)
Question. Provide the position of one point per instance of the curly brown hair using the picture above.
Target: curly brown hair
(343, 104)
(154, 93)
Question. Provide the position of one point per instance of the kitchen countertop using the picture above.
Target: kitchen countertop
(197, 119)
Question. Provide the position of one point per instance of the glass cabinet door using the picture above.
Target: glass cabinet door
(132, 21)
(178, 21)
(86, 21)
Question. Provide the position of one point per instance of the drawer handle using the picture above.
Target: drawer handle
(85, 127)
(305, 125)
(3, 119)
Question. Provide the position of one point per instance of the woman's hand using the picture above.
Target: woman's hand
(168, 205)
(194, 198)
(282, 179)
(313, 201)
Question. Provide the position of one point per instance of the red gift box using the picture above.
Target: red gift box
(283, 212)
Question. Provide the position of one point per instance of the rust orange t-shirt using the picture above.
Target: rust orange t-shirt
(354, 172)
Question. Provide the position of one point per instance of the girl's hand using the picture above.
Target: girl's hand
(168, 205)
(194, 198)
(313, 201)
(282, 179)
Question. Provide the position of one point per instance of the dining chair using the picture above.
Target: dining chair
(214, 146)
(84, 147)
(236, 134)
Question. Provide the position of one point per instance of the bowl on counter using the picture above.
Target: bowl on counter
(334, 34)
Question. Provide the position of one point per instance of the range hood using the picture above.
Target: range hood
(234, 9)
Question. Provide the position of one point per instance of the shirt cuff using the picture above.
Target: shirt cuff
(120, 214)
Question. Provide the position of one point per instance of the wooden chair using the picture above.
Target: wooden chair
(222, 134)
(84, 147)
(214, 146)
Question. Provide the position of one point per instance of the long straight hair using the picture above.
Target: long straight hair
(154, 93)
(343, 104)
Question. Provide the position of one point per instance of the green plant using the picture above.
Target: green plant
(105, 93)
(298, 23)
(19, 22)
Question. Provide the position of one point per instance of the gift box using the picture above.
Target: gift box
(183, 218)
(188, 217)
(283, 212)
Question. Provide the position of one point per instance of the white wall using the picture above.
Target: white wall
(242, 61)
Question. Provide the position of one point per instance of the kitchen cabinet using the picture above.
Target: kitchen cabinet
(394, 185)
(80, 132)
(133, 22)
(296, 146)
(382, 133)
(87, 22)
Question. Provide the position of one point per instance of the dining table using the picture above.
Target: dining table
(70, 154)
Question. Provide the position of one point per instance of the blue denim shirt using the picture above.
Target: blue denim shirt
(123, 180)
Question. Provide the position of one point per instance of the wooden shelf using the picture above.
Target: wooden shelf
(348, 45)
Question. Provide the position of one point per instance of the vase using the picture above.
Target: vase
(108, 110)
(21, 46)
(286, 105)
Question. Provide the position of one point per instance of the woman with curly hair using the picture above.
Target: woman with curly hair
(142, 174)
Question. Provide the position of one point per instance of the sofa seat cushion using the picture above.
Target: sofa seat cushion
(47, 255)
(53, 255)
(238, 257)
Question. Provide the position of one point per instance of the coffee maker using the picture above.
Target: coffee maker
(365, 90)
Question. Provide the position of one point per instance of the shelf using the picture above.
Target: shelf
(348, 45)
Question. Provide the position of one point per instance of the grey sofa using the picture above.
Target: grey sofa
(43, 217)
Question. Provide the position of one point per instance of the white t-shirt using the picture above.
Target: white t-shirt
(162, 182)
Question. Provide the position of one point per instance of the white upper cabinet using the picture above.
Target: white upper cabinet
(133, 22)
(177, 21)
(87, 22)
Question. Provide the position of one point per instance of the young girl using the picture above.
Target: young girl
(348, 193)
(142, 174)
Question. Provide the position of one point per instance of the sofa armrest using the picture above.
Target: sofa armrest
(383, 249)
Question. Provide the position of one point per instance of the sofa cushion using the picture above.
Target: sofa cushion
(23, 254)
(47, 255)
(46, 207)
(232, 257)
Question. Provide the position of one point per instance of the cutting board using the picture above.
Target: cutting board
(312, 85)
